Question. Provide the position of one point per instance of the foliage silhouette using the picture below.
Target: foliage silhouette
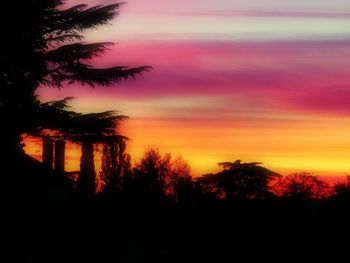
(85, 129)
(115, 165)
(44, 47)
(342, 190)
(302, 186)
(240, 180)
(180, 184)
(160, 178)
(150, 174)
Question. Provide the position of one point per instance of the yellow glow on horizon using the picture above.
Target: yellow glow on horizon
(284, 141)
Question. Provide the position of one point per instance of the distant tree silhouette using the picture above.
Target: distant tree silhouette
(342, 190)
(179, 184)
(161, 177)
(240, 180)
(44, 47)
(150, 173)
(302, 186)
(115, 165)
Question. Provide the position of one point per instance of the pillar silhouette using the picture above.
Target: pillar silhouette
(47, 154)
(86, 184)
(59, 156)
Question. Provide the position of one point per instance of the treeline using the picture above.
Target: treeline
(160, 178)
(155, 211)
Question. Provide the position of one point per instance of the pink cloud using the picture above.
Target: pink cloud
(325, 100)
(287, 74)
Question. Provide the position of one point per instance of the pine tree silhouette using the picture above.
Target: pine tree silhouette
(44, 46)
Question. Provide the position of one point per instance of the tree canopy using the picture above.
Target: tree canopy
(302, 186)
(44, 45)
(240, 180)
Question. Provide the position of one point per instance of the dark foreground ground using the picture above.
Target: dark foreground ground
(102, 230)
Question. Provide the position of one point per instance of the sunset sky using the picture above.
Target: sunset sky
(253, 80)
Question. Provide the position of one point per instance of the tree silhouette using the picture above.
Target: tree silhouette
(150, 173)
(240, 180)
(161, 177)
(115, 165)
(342, 190)
(44, 47)
(180, 185)
(302, 186)
(87, 130)
(54, 120)
(69, 62)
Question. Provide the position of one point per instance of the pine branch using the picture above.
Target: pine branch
(57, 39)
(58, 104)
(86, 75)
(95, 127)
(75, 52)
(80, 19)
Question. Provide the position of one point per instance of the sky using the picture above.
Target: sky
(253, 80)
